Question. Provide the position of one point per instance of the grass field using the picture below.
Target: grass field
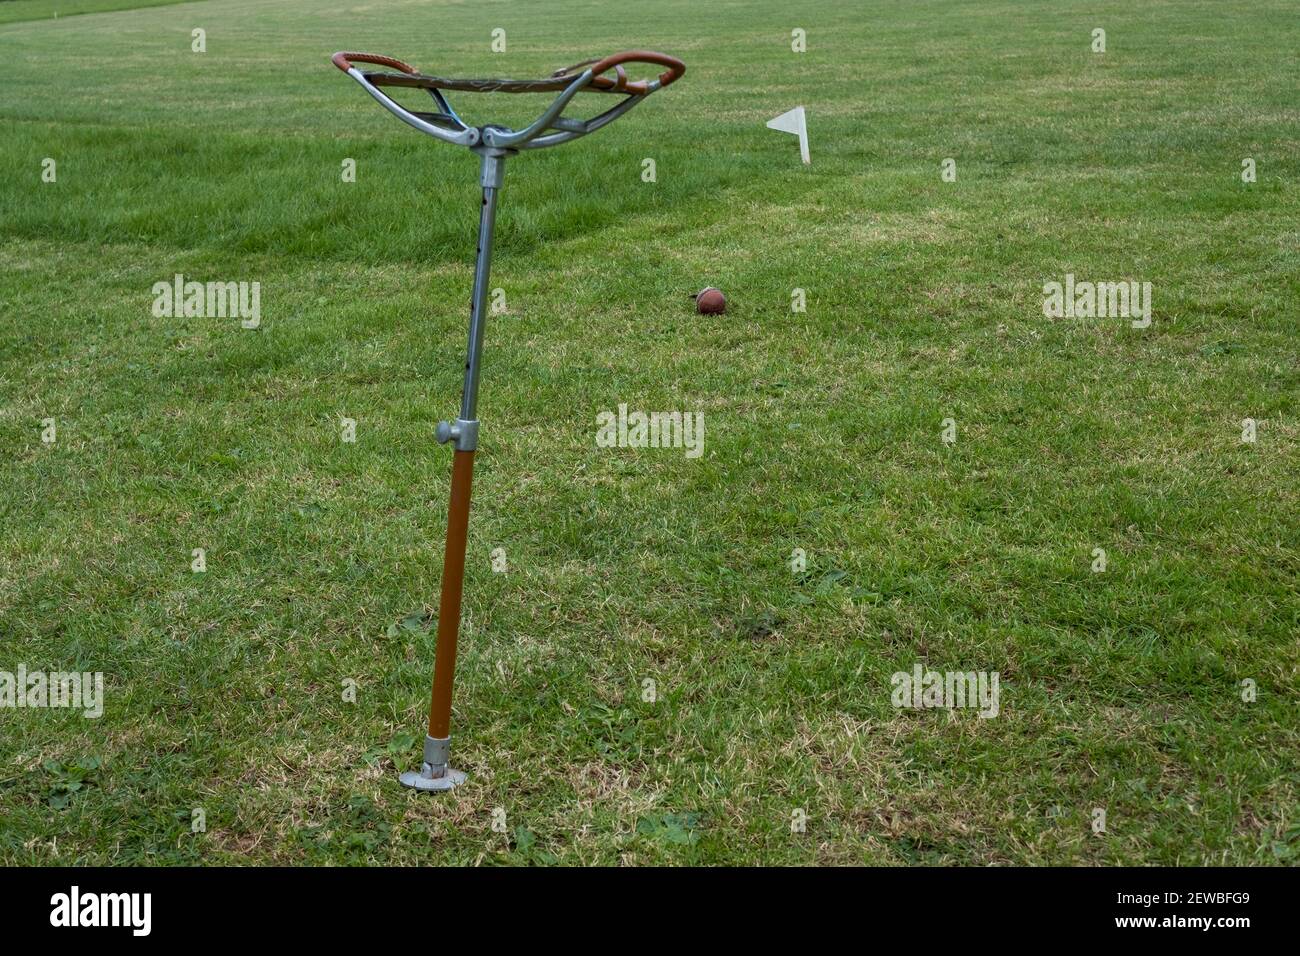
(225, 690)
(14, 11)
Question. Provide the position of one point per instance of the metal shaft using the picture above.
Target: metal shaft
(493, 167)
(453, 568)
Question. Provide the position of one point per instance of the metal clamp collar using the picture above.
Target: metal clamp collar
(463, 432)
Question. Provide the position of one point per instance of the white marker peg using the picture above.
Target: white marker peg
(794, 121)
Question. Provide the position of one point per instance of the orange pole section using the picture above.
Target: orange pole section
(453, 582)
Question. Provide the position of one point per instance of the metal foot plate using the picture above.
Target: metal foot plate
(424, 780)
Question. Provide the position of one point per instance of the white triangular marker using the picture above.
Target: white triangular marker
(794, 121)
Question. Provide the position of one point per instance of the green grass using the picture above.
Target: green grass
(1120, 690)
(15, 11)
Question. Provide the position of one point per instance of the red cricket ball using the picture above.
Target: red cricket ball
(710, 301)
